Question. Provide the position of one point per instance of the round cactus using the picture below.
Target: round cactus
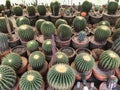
(112, 7)
(8, 4)
(104, 23)
(1, 8)
(47, 46)
(61, 58)
(61, 77)
(84, 62)
(79, 23)
(41, 9)
(25, 32)
(117, 24)
(7, 78)
(59, 22)
(31, 80)
(86, 6)
(22, 20)
(116, 34)
(17, 10)
(109, 60)
(64, 32)
(36, 60)
(32, 45)
(38, 25)
(3, 26)
(31, 10)
(82, 36)
(47, 28)
(102, 33)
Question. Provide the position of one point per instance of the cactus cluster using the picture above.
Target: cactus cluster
(104, 23)
(86, 6)
(61, 77)
(109, 60)
(7, 78)
(31, 10)
(41, 9)
(82, 36)
(17, 10)
(8, 4)
(117, 23)
(31, 80)
(59, 22)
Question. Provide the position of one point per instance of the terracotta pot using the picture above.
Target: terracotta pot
(69, 19)
(32, 19)
(54, 18)
(80, 50)
(117, 71)
(45, 17)
(24, 43)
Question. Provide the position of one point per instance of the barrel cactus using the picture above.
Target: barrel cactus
(109, 60)
(17, 10)
(1, 8)
(61, 77)
(31, 80)
(31, 10)
(82, 36)
(13, 60)
(117, 24)
(84, 62)
(116, 34)
(36, 60)
(7, 78)
(32, 45)
(59, 22)
(104, 23)
(102, 33)
(8, 4)
(25, 33)
(3, 26)
(47, 46)
(22, 20)
(79, 23)
(64, 32)
(41, 9)
(86, 6)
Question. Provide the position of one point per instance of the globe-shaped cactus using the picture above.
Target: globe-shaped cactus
(8, 4)
(116, 34)
(86, 6)
(31, 10)
(61, 77)
(7, 78)
(31, 80)
(104, 23)
(82, 36)
(17, 10)
(59, 22)
(41, 9)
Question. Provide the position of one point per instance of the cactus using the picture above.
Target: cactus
(38, 24)
(116, 34)
(8, 4)
(31, 80)
(41, 9)
(102, 33)
(117, 24)
(61, 58)
(86, 6)
(79, 23)
(7, 77)
(22, 20)
(47, 46)
(3, 43)
(104, 23)
(25, 33)
(31, 10)
(36, 60)
(3, 26)
(59, 22)
(47, 28)
(17, 10)
(79, 7)
(13, 60)
(32, 45)
(109, 60)
(84, 62)
(112, 7)
(61, 77)
(100, 10)
(1, 8)
(64, 32)
(82, 36)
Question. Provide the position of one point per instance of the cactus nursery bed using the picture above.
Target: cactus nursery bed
(60, 47)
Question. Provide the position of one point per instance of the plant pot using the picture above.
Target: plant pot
(70, 52)
(77, 44)
(81, 50)
(32, 19)
(69, 19)
(54, 18)
(45, 17)
(16, 87)
(117, 71)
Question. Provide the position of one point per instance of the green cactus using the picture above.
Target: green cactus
(17, 10)
(31, 10)
(4, 46)
(13, 60)
(84, 62)
(22, 20)
(117, 24)
(3, 26)
(59, 22)
(47, 46)
(64, 32)
(61, 77)
(82, 36)
(47, 28)
(1, 8)
(32, 45)
(79, 23)
(86, 6)
(31, 80)
(41, 9)
(104, 23)
(36, 60)
(7, 78)
(8, 4)
(116, 34)
(102, 33)
(38, 25)
(109, 60)
(25, 32)
(112, 7)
